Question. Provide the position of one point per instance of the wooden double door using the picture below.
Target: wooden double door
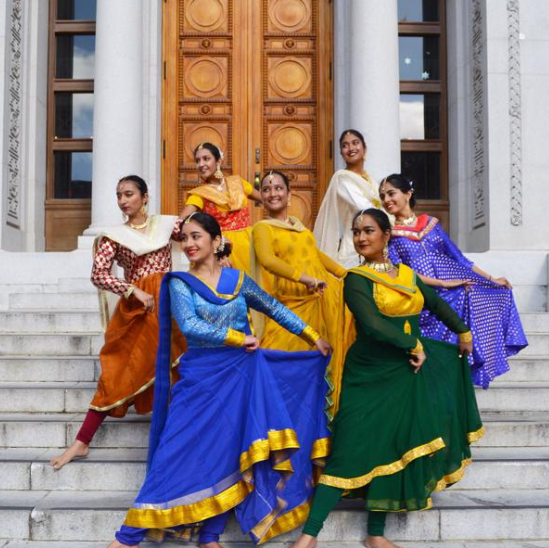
(255, 78)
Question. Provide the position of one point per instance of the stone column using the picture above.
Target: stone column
(118, 104)
(374, 81)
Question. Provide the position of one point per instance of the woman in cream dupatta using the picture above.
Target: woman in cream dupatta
(142, 247)
(350, 190)
(289, 265)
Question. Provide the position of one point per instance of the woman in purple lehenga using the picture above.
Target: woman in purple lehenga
(483, 302)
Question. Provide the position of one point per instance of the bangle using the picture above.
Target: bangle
(316, 282)
(465, 337)
(129, 291)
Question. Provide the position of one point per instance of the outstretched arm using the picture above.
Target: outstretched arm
(192, 325)
(261, 301)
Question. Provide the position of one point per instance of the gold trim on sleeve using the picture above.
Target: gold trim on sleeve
(384, 469)
(465, 337)
(235, 338)
(309, 335)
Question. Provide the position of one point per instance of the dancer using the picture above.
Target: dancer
(142, 248)
(484, 302)
(239, 414)
(408, 411)
(226, 199)
(303, 278)
(350, 190)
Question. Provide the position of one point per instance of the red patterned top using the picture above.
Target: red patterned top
(230, 220)
(135, 266)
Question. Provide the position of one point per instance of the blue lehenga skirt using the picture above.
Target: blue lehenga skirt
(244, 431)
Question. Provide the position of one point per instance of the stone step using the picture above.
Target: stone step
(50, 321)
(275, 544)
(458, 516)
(48, 368)
(530, 368)
(124, 470)
(535, 323)
(538, 344)
(54, 301)
(514, 396)
(57, 429)
(50, 344)
(76, 285)
(74, 397)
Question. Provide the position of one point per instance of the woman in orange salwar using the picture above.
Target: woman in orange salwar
(225, 199)
(289, 265)
(142, 247)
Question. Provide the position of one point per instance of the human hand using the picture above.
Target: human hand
(465, 348)
(450, 284)
(324, 346)
(145, 298)
(502, 281)
(417, 361)
(251, 343)
(313, 284)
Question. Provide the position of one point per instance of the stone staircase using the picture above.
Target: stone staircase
(49, 341)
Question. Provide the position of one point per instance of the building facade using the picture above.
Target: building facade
(448, 91)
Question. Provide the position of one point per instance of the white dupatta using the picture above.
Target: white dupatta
(158, 235)
(347, 194)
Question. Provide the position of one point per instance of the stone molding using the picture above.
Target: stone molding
(478, 39)
(13, 213)
(515, 111)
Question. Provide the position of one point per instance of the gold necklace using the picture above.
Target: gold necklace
(410, 221)
(141, 226)
(383, 267)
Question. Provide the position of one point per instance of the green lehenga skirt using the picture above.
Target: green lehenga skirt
(399, 436)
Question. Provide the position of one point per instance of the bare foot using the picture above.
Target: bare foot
(77, 450)
(304, 541)
(211, 545)
(116, 544)
(379, 542)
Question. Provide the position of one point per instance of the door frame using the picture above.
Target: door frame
(170, 100)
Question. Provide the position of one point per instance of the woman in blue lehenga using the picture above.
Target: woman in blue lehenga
(483, 302)
(245, 426)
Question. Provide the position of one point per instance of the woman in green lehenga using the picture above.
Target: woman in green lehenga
(408, 411)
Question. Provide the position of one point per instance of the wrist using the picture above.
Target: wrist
(309, 335)
(418, 349)
(465, 337)
(235, 338)
(129, 292)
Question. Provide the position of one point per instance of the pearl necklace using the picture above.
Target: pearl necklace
(383, 267)
(141, 226)
(410, 221)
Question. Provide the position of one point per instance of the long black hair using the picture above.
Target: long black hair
(211, 226)
(402, 183)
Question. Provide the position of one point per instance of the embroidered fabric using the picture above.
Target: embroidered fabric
(135, 267)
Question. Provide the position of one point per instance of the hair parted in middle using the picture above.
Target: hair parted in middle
(380, 217)
(402, 183)
(354, 132)
(214, 149)
(283, 176)
(211, 226)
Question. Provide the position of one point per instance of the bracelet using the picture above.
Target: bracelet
(129, 291)
(465, 337)
(316, 282)
(418, 349)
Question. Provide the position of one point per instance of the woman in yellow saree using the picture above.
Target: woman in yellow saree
(289, 265)
(226, 199)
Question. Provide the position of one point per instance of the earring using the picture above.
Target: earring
(289, 201)
(143, 209)
(386, 252)
(218, 173)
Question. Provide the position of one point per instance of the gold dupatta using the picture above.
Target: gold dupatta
(234, 199)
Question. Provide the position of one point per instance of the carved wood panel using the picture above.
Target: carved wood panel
(252, 76)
